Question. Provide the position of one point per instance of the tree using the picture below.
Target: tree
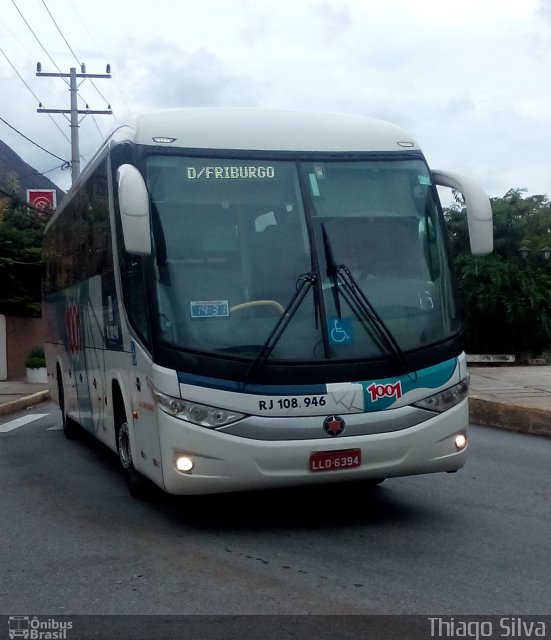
(21, 232)
(506, 297)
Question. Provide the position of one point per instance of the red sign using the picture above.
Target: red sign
(43, 199)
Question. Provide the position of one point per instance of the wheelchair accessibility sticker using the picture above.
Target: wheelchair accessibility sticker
(340, 331)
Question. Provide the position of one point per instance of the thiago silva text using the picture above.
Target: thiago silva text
(512, 627)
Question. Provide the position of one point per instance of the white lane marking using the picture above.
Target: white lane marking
(57, 427)
(19, 422)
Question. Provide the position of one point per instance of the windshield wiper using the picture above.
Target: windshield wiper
(332, 270)
(363, 304)
(304, 284)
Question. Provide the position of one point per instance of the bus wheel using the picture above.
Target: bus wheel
(70, 427)
(139, 486)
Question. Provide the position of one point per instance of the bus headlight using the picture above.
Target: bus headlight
(200, 414)
(444, 400)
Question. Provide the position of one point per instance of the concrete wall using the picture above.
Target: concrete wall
(22, 334)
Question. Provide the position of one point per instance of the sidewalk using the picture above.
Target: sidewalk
(514, 398)
(17, 395)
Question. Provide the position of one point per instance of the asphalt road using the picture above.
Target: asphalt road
(73, 541)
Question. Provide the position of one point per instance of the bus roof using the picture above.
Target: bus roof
(263, 130)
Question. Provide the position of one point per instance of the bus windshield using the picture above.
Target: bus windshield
(234, 240)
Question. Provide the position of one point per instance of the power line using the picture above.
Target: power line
(19, 75)
(87, 31)
(65, 41)
(64, 166)
(101, 53)
(32, 141)
(78, 60)
(74, 111)
(60, 32)
(62, 75)
(32, 93)
(37, 38)
(32, 55)
(40, 43)
(23, 46)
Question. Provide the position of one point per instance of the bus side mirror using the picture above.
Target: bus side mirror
(134, 208)
(479, 210)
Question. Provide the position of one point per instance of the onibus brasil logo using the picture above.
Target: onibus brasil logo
(38, 629)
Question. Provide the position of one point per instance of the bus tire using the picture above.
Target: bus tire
(139, 486)
(70, 427)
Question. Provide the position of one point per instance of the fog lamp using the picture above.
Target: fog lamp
(460, 441)
(184, 464)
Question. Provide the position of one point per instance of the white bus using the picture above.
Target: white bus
(238, 299)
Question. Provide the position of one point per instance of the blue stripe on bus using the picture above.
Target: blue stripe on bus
(430, 378)
(260, 389)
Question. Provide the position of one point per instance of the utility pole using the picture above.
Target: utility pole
(74, 111)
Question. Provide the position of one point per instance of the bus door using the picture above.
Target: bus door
(145, 423)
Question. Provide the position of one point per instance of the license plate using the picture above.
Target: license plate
(335, 460)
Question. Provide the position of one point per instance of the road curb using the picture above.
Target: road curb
(23, 403)
(511, 417)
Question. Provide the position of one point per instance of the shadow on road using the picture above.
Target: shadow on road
(316, 507)
(322, 506)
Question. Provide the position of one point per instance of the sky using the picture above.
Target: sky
(468, 79)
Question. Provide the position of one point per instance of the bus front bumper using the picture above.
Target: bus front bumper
(223, 463)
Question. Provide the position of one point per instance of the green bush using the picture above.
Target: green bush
(21, 234)
(506, 297)
(36, 358)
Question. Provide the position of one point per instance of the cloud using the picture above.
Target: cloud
(165, 75)
(543, 10)
(334, 18)
(469, 84)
